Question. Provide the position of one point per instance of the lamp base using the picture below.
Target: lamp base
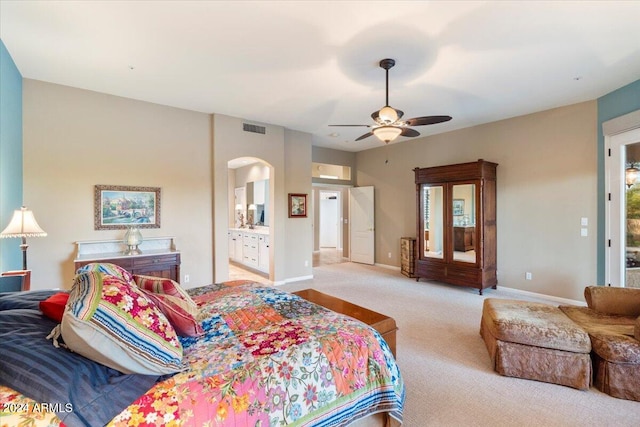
(132, 250)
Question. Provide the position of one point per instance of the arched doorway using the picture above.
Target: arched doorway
(250, 217)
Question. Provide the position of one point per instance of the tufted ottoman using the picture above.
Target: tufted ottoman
(536, 341)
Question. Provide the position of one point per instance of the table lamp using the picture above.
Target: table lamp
(23, 224)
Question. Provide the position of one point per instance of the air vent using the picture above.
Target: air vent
(254, 128)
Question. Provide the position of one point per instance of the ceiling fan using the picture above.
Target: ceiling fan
(388, 120)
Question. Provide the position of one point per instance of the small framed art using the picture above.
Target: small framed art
(297, 205)
(458, 207)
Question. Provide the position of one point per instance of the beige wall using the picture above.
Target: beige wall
(75, 139)
(547, 177)
(299, 231)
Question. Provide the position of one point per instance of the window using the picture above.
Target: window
(327, 171)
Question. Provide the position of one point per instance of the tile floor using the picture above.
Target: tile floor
(325, 256)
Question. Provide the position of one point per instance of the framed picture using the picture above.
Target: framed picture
(117, 207)
(297, 205)
(458, 207)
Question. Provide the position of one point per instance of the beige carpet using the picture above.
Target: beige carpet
(444, 362)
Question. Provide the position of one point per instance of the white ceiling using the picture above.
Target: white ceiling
(307, 64)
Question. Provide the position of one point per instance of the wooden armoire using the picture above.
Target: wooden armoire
(456, 224)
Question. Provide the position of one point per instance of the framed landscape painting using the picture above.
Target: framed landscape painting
(297, 205)
(118, 207)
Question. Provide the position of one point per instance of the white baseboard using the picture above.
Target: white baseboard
(293, 279)
(387, 266)
(543, 296)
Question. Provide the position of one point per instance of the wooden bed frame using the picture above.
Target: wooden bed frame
(381, 323)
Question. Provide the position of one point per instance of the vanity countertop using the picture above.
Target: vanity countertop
(257, 230)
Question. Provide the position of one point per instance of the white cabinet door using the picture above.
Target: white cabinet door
(238, 243)
(263, 256)
(232, 246)
(235, 246)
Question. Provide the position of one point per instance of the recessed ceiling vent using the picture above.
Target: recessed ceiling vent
(254, 128)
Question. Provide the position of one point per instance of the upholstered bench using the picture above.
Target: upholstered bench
(536, 341)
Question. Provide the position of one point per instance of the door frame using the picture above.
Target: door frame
(618, 133)
(338, 217)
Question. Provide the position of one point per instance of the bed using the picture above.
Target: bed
(266, 357)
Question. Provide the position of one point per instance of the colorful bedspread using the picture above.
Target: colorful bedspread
(17, 410)
(269, 358)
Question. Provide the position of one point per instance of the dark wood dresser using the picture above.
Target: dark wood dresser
(163, 264)
(158, 257)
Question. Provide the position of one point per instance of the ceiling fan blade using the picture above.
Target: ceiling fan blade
(366, 135)
(409, 132)
(367, 126)
(427, 120)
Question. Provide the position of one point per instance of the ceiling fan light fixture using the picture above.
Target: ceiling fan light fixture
(388, 114)
(387, 133)
(388, 125)
(631, 175)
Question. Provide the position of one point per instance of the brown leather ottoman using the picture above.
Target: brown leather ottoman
(536, 341)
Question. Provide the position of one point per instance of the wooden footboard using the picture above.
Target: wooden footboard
(381, 323)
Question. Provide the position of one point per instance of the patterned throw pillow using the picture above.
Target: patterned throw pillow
(113, 323)
(109, 269)
(181, 314)
(159, 285)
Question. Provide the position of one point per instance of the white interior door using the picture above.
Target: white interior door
(615, 216)
(362, 229)
(328, 223)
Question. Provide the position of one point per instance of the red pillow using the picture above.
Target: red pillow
(53, 307)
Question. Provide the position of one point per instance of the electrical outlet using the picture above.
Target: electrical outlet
(389, 254)
(528, 275)
(306, 263)
(186, 278)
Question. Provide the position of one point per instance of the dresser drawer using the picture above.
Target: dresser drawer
(154, 260)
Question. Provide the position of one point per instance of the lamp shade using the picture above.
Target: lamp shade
(387, 133)
(238, 207)
(252, 207)
(23, 224)
(388, 114)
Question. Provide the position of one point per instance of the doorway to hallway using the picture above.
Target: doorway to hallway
(330, 236)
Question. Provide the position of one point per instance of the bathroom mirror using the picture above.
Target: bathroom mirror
(258, 197)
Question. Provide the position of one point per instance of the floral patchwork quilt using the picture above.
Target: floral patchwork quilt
(270, 358)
